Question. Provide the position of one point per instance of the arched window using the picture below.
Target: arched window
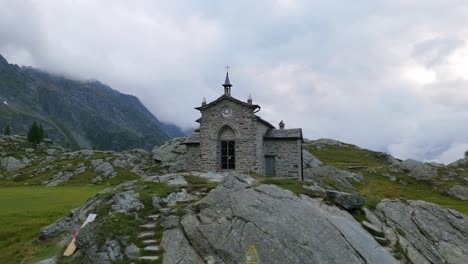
(228, 148)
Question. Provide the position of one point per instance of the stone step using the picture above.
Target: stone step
(151, 248)
(146, 235)
(148, 226)
(153, 217)
(165, 211)
(149, 258)
(150, 241)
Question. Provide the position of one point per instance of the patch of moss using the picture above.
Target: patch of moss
(383, 243)
(123, 175)
(199, 184)
(152, 188)
(117, 225)
(400, 231)
(359, 215)
(152, 170)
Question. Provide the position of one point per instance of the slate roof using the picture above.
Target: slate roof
(192, 139)
(265, 122)
(254, 106)
(294, 133)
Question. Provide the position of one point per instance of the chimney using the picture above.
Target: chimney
(203, 102)
(281, 125)
(466, 154)
(249, 101)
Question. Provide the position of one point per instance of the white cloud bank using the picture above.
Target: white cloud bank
(386, 75)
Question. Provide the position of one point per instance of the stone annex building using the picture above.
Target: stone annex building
(232, 137)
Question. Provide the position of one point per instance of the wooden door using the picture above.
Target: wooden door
(270, 166)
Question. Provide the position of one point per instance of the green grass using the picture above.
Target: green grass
(25, 210)
(292, 185)
(379, 187)
(349, 155)
(199, 184)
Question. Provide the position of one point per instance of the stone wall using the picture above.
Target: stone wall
(261, 129)
(248, 134)
(287, 153)
(192, 157)
(242, 122)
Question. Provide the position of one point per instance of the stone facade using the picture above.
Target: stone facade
(287, 153)
(230, 120)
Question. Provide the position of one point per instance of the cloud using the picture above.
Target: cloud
(386, 75)
(435, 51)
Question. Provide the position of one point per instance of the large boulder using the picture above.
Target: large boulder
(12, 164)
(309, 160)
(169, 151)
(177, 248)
(322, 175)
(92, 252)
(70, 223)
(126, 202)
(59, 178)
(459, 191)
(285, 228)
(132, 251)
(105, 168)
(181, 196)
(425, 232)
(416, 169)
(170, 156)
(348, 201)
(53, 230)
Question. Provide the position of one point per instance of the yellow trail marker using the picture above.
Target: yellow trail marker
(252, 256)
(72, 247)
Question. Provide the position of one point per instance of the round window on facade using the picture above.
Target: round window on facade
(226, 111)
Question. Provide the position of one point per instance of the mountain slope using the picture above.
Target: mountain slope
(79, 114)
(408, 215)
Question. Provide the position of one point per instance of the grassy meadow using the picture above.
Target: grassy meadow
(25, 210)
(377, 187)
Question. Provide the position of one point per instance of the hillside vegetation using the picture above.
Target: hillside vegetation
(387, 177)
(77, 114)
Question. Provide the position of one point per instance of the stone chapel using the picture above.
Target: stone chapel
(232, 137)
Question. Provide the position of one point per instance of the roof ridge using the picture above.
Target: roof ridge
(227, 97)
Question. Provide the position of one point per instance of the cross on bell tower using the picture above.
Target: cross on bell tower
(227, 84)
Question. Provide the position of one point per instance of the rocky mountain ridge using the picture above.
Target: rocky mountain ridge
(78, 114)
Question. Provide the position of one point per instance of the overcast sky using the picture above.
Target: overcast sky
(385, 75)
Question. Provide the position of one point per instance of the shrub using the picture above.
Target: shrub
(36, 133)
(7, 130)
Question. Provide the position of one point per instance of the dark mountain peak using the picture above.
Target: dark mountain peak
(3, 60)
(3, 63)
(78, 113)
